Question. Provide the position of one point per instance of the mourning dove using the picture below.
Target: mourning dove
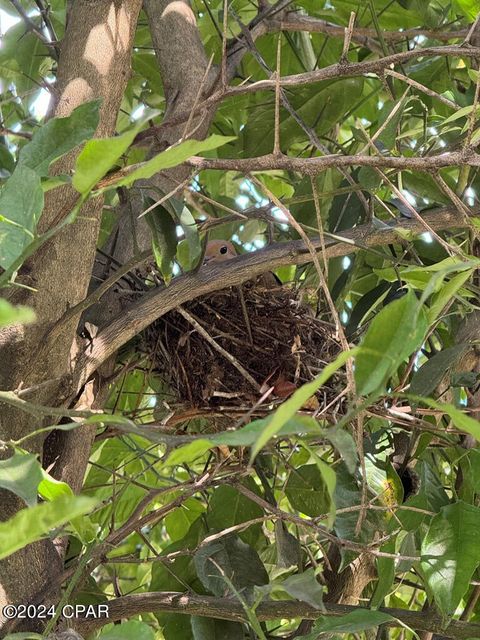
(221, 250)
(218, 251)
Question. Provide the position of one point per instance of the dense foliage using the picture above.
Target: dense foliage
(334, 143)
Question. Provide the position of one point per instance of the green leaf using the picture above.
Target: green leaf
(51, 489)
(344, 443)
(179, 521)
(229, 559)
(369, 178)
(446, 293)
(306, 588)
(289, 552)
(429, 375)
(169, 158)
(128, 630)
(389, 134)
(320, 106)
(287, 409)
(58, 136)
(469, 8)
(386, 575)
(48, 184)
(229, 507)
(353, 622)
(98, 156)
(330, 480)
(348, 492)
(394, 334)
(190, 229)
(33, 523)
(21, 203)
(249, 434)
(451, 553)
(13, 315)
(431, 489)
(461, 420)
(307, 491)
(164, 238)
(175, 626)
(7, 161)
(461, 113)
(146, 65)
(21, 475)
(20, 57)
(213, 629)
(189, 452)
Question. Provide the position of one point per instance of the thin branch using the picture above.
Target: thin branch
(348, 37)
(294, 21)
(473, 31)
(31, 26)
(314, 166)
(224, 43)
(11, 398)
(45, 13)
(281, 95)
(278, 75)
(20, 134)
(343, 70)
(421, 87)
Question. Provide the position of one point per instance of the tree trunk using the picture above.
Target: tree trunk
(94, 64)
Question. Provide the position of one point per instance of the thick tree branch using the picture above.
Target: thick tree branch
(314, 166)
(156, 303)
(231, 609)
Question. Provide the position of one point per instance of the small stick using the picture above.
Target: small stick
(224, 44)
(218, 348)
(348, 37)
(276, 142)
(245, 313)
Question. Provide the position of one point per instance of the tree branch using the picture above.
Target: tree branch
(229, 609)
(313, 166)
(331, 72)
(214, 277)
(294, 21)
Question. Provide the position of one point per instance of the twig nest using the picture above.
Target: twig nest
(232, 348)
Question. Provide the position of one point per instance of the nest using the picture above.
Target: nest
(242, 347)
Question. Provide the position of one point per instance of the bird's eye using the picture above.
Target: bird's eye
(223, 250)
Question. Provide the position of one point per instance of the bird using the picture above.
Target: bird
(219, 251)
(222, 250)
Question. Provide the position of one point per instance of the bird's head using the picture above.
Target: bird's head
(219, 251)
